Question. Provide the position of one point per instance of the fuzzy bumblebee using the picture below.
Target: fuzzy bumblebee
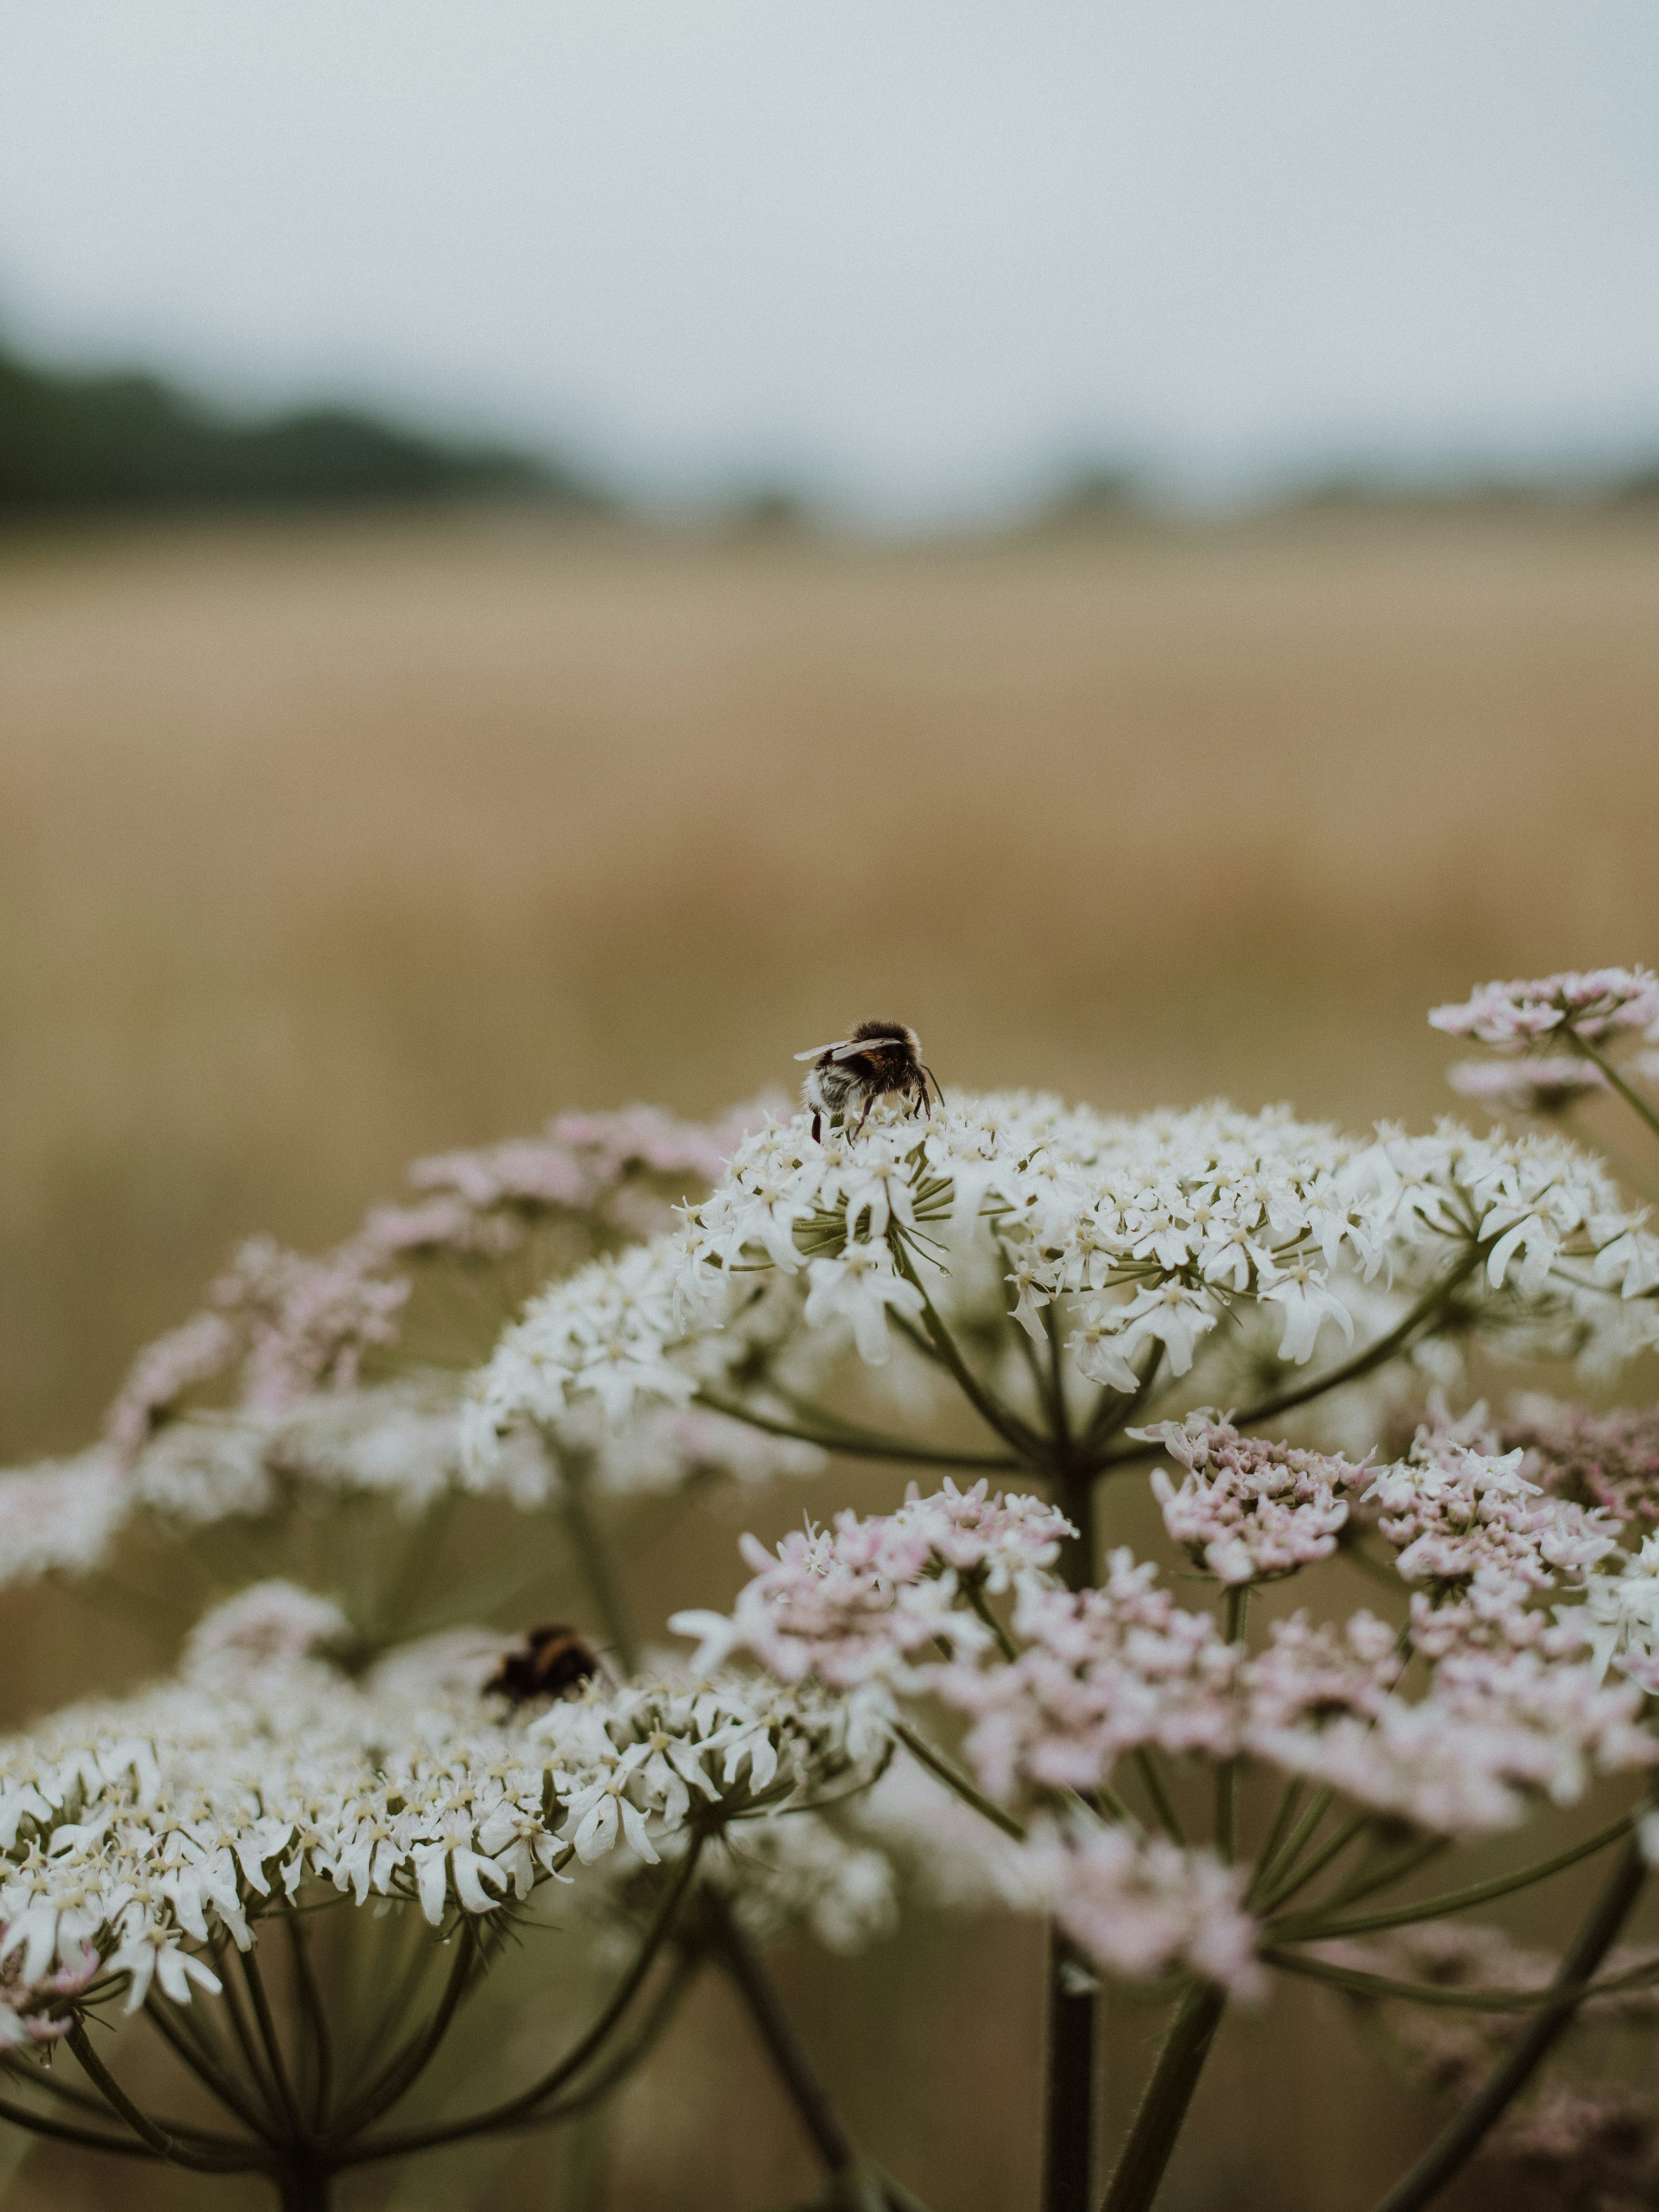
(549, 1662)
(880, 1060)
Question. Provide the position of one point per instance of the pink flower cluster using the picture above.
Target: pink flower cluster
(860, 1600)
(1143, 1909)
(38, 2012)
(1248, 1508)
(1526, 1086)
(1606, 1461)
(1594, 1004)
(1480, 1538)
(283, 1324)
(1497, 1729)
(597, 1165)
(1104, 1672)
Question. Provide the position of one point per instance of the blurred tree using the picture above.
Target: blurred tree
(130, 441)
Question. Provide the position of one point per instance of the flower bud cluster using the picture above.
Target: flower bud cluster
(1249, 1509)
(1480, 1541)
(1595, 1003)
(1142, 1909)
(858, 1603)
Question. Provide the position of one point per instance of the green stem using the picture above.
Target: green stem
(1332, 1848)
(995, 1415)
(664, 2006)
(594, 1561)
(409, 2063)
(1384, 1988)
(1301, 1836)
(1059, 1412)
(1068, 2133)
(1139, 2170)
(206, 2058)
(316, 2016)
(1457, 1900)
(38, 2123)
(783, 2047)
(514, 2110)
(1375, 1355)
(981, 1605)
(1237, 1602)
(273, 2049)
(1631, 1098)
(953, 1778)
(229, 2159)
(1152, 1776)
(858, 1443)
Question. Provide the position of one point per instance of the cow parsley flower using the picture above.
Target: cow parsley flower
(1527, 1086)
(1248, 1508)
(1595, 1003)
(857, 1601)
(1141, 1909)
(144, 1827)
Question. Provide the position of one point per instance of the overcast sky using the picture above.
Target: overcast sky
(913, 252)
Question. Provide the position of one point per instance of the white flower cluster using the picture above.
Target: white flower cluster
(141, 1828)
(1143, 1233)
(397, 1442)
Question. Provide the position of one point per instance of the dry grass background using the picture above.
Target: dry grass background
(324, 845)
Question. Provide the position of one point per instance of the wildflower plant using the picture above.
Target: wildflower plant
(1201, 1778)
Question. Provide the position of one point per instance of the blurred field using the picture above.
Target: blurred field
(324, 845)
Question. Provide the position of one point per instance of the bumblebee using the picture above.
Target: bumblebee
(550, 1661)
(880, 1060)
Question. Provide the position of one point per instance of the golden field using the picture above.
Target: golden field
(322, 845)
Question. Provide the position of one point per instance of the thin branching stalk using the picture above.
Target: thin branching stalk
(41, 2124)
(190, 2042)
(593, 1559)
(1310, 1927)
(860, 1443)
(516, 2110)
(996, 1416)
(1373, 1355)
(418, 2052)
(664, 2006)
(272, 2046)
(319, 2041)
(783, 2044)
(1633, 1099)
(1151, 1777)
(1458, 2141)
(955, 1779)
(225, 2158)
(1139, 2170)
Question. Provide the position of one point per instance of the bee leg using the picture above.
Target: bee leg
(870, 1100)
(817, 1129)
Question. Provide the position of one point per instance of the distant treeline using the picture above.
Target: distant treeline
(107, 443)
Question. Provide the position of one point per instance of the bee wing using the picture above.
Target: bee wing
(819, 1050)
(851, 1050)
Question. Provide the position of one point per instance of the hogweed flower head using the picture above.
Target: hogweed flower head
(1527, 1086)
(145, 1827)
(1248, 1508)
(1595, 1003)
(1144, 1909)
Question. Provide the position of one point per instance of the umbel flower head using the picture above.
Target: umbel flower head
(1595, 1003)
(1133, 1239)
(139, 1831)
